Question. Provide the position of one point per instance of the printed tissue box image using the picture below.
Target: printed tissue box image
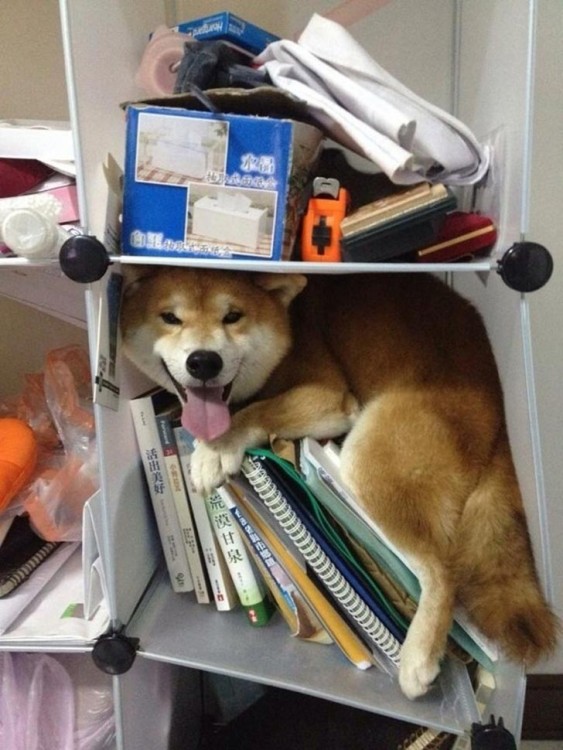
(230, 219)
(216, 184)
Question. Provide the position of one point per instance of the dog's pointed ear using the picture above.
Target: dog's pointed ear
(134, 275)
(285, 286)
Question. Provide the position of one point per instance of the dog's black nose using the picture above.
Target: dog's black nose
(204, 364)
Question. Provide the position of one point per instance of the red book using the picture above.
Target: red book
(462, 236)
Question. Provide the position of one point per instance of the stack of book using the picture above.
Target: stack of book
(202, 545)
(416, 223)
(288, 534)
(394, 227)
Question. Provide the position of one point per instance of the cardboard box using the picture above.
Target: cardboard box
(229, 27)
(226, 185)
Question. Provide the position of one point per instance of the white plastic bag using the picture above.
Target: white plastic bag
(54, 704)
(36, 703)
(93, 699)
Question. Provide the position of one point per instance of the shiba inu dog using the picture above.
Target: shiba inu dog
(400, 364)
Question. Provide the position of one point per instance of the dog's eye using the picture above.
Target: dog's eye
(170, 318)
(232, 317)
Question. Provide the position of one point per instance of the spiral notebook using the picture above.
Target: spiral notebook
(21, 552)
(331, 540)
(327, 572)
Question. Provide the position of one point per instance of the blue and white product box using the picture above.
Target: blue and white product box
(229, 27)
(201, 184)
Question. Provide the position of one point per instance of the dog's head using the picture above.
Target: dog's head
(208, 335)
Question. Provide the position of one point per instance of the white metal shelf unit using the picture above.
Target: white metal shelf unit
(103, 43)
(169, 629)
(223, 643)
(484, 265)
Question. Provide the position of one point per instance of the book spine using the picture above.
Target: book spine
(262, 561)
(299, 616)
(187, 527)
(345, 638)
(163, 504)
(248, 584)
(222, 587)
(265, 558)
(327, 572)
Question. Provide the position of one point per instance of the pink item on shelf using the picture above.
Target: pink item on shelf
(68, 199)
(157, 72)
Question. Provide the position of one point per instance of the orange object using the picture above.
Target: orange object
(321, 234)
(56, 500)
(18, 457)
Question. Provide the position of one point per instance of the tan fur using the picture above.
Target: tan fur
(404, 366)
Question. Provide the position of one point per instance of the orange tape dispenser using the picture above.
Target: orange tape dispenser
(320, 233)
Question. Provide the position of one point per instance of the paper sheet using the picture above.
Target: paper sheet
(58, 614)
(13, 605)
(367, 110)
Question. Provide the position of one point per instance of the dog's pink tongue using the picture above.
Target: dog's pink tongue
(205, 415)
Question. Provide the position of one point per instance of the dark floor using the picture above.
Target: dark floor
(284, 720)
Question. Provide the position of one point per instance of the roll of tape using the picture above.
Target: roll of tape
(157, 71)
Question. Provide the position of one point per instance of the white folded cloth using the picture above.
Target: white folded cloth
(367, 110)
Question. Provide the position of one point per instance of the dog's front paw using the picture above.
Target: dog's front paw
(418, 669)
(212, 465)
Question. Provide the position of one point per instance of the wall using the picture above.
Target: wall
(26, 335)
(427, 74)
(546, 225)
(33, 86)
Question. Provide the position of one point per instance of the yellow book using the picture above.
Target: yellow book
(349, 643)
(302, 621)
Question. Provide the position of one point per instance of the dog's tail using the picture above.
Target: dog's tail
(497, 580)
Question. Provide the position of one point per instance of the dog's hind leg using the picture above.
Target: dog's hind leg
(400, 463)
